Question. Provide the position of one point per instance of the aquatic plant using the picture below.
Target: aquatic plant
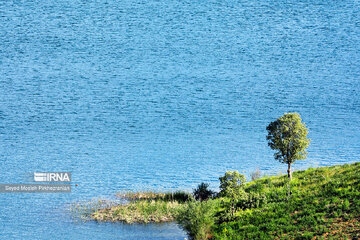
(82, 210)
(144, 211)
(180, 196)
(197, 218)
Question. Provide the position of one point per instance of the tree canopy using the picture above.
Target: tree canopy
(288, 136)
(231, 184)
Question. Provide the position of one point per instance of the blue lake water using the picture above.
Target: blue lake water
(163, 95)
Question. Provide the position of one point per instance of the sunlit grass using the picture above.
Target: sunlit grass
(324, 203)
(179, 196)
(142, 207)
(82, 211)
(318, 203)
(144, 211)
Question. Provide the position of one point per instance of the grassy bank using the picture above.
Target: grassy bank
(322, 203)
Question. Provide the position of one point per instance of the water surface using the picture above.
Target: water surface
(163, 95)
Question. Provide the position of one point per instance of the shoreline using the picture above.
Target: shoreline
(329, 192)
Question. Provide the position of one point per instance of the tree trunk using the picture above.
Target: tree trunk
(289, 171)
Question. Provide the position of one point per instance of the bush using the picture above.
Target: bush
(202, 192)
(251, 200)
(232, 184)
(232, 187)
(197, 218)
(179, 196)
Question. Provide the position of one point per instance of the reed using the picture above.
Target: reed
(143, 211)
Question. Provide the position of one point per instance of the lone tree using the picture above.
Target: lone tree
(288, 135)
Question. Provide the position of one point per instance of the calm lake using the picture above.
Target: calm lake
(163, 95)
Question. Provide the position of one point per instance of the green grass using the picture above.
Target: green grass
(179, 196)
(197, 218)
(83, 210)
(324, 203)
(144, 207)
(143, 211)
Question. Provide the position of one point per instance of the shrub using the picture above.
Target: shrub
(202, 192)
(346, 205)
(252, 200)
(179, 196)
(232, 184)
(306, 235)
(232, 187)
(197, 218)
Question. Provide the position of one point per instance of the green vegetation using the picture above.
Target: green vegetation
(202, 192)
(324, 204)
(144, 211)
(288, 135)
(179, 196)
(82, 211)
(317, 203)
(232, 188)
(144, 207)
(198, 218)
